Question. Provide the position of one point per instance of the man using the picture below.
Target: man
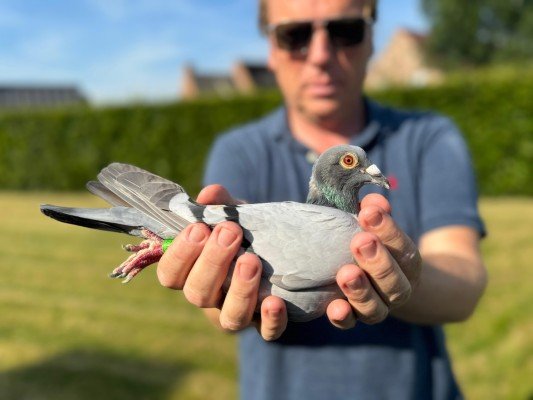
(417, 268)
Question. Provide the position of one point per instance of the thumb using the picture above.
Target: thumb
(216, 194)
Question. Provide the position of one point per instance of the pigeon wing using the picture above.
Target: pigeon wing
(145, 191)
(104, 193)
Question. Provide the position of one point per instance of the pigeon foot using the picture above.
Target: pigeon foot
(146, 253)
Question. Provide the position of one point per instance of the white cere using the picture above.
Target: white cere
(373, 170)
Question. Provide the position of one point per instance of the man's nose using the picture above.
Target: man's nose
(320, 48)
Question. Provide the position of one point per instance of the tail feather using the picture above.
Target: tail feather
(140, 199)
(116, 219)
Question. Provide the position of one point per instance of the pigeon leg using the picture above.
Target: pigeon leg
(146, 253)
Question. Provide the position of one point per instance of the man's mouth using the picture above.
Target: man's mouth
(322, 89)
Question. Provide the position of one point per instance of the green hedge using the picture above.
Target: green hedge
(61, 150)
(496, 118)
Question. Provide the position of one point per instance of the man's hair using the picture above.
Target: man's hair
(371, 10)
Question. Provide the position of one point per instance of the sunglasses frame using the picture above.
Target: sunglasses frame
(316, 24)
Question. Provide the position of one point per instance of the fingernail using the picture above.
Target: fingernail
(355, 284)
(226, 237)
(374, 220)
(247, 271)
(274, 313)
(369, 250)
(196, 235)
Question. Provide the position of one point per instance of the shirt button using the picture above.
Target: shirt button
(311, 157)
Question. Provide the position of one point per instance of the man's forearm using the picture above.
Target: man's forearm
(449, 290)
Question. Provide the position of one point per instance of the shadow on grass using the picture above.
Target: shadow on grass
(86, 374)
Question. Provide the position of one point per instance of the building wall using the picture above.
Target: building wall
(189, 88)
(402, 63)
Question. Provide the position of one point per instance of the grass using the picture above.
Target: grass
(68, 332)
(493, 351)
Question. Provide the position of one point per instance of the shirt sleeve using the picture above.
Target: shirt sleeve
(448, 192)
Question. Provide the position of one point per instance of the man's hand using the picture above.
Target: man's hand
(389, 269)
(198, 262)
(389, 266)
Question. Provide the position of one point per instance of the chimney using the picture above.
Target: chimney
(189, 85)
(242, 79)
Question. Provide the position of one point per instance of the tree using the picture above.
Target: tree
(479, 31)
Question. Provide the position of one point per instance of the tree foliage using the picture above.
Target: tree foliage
(479, 32)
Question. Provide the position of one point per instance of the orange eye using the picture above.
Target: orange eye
(349, 161)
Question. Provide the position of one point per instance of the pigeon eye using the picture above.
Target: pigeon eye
(349, 161)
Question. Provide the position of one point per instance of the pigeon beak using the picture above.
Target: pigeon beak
(377, 177)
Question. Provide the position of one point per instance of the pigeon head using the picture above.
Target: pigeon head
(337, 176)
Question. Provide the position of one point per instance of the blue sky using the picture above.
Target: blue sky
(124, 50)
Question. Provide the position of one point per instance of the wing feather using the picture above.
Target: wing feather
(104, 193)
(144, 191)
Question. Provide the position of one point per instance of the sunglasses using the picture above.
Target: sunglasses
(343, 32)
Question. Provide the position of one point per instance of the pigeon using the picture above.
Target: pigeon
(301, 245)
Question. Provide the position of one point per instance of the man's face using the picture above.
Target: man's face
(326, 82)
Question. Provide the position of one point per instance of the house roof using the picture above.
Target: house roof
(261, 75)
(30, 96)
(244, 77)
(219, 84)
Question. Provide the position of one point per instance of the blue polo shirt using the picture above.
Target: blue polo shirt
(432, 185)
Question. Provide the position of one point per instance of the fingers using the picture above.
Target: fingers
(366, 303)
(203, 286)
(198, 262)
(340, 314)
(377, 220)
(200, 269)
(372, 288)
(178, 260)
(388, 265)
(241, 299)
(273, 318)
(377, 200)
(216, 194)
(176, 263)
(381, 269)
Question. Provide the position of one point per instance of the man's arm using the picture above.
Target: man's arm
(452, 280)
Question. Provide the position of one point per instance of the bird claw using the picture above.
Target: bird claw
(146, 253)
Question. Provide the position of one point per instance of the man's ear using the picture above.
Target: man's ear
(271, 61)
(371, 39)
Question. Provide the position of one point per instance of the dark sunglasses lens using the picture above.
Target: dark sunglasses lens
(294, 36)
(347, 32)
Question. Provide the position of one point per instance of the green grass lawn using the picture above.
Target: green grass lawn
(493, 351)
(69, 332)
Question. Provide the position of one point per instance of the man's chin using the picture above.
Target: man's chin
(321, 109)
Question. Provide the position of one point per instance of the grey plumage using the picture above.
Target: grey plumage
(301, 246)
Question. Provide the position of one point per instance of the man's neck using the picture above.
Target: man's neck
(319, 135)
